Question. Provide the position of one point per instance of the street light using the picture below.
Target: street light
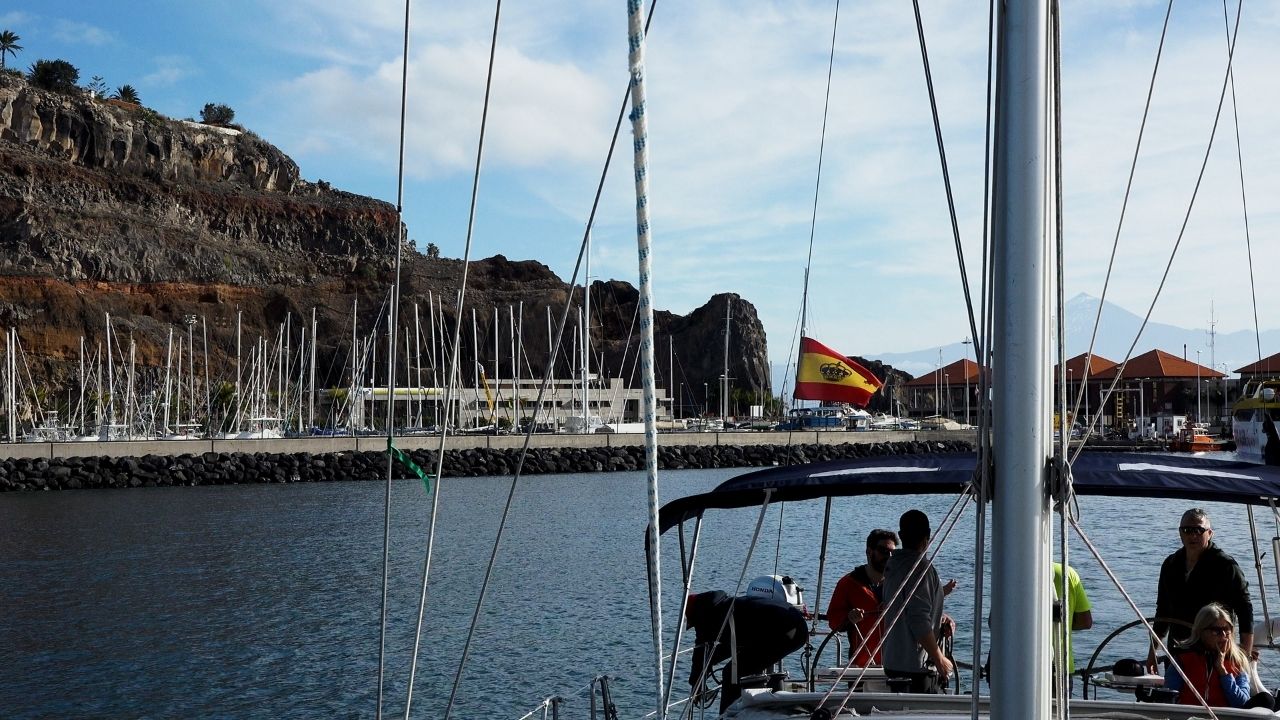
(946, 379)
(1198, 386)
(966, 342)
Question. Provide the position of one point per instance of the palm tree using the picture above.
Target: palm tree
(128, 94)
(8, 45)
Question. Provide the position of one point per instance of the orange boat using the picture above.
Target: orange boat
(1196, 438)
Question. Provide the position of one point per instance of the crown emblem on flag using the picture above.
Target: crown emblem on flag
(834, 371)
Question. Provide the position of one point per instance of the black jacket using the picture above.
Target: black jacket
(1215, 578)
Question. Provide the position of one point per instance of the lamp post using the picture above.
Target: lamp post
(966, 342)
(946, 379)
(937, 387)
(1198, 386)
(706, 399)
(1222, 384)
(1062, 421)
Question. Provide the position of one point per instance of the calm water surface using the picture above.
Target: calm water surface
(263, 601)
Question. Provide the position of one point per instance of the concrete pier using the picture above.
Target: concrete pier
(372, 443)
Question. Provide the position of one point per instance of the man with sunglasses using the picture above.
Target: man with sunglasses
(1198, 574)
(855, 604)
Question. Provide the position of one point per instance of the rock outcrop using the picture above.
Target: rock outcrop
(108, 207)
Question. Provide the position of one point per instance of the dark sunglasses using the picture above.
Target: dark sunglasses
(884, 550)
(1193, 530)
(1222, 630)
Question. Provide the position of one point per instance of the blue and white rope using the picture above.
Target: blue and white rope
(640, 144)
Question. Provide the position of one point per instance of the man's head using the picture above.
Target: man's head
(1195, 529)
(913, 526)
(880, 545)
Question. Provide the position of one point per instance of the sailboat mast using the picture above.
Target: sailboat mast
(80, 421)
(724, 379)
(235, 428)
(111, 378)
(168, 372)
(497, 387)
(311, 410)
(417, 364)
(1020, 512)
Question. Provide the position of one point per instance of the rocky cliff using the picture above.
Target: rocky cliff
(110, 208)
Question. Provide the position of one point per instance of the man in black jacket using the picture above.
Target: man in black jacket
(1196, 575)
(763, 631)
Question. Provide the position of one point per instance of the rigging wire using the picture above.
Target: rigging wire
(817, 183)
(946, 173)
(454, 356)
(1061, 472)
(1124, 206)
(556, 345)
(391, 372)
(1185, 220)
(1244, 201)
(982, 353)
(1115, 580)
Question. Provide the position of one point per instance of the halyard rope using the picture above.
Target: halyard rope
(649, 410)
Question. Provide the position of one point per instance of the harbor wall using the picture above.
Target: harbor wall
(367, 443)
(71, 466)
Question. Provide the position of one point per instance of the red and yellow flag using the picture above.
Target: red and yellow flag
(826, 375)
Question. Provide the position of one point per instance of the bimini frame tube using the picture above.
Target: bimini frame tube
(1020, 509)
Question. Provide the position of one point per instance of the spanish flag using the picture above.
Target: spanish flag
(824, 374)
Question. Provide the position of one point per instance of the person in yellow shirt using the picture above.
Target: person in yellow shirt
(1077, 605)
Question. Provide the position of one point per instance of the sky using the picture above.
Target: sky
(735, 107)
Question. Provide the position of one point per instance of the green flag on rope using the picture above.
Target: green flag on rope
(408, 462)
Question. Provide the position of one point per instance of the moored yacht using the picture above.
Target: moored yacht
(1255, 422)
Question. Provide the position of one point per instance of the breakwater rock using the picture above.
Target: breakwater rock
(214, 468)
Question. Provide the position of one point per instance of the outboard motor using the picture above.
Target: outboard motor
(778, 588)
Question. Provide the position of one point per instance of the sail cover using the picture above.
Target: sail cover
(1094, 473)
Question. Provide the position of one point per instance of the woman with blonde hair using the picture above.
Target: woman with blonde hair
(1215, 665)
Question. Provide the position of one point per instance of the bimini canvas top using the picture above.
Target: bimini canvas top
(1094, 473)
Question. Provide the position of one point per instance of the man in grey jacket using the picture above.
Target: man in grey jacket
(914, 638)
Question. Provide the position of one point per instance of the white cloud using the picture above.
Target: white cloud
(169, 70)
(79, 33)
(540, 112)
(735, 113)
(15, 17)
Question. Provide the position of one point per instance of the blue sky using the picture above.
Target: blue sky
(735, 93)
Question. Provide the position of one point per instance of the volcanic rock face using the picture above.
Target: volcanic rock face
(110, 208)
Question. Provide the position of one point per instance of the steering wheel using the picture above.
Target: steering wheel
(1092, 667)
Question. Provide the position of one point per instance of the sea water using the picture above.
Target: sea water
(264, 600)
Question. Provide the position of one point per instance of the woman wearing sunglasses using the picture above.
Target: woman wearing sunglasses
(1216, 667)
(1198, 574)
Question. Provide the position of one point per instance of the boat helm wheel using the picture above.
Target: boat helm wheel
(1092, 667)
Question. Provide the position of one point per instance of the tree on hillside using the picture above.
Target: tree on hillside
(8, 45)
(216, 114)
(128, 94)
(56, 75)
(433, 250)
(97, 85)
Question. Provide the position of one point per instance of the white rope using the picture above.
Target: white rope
(640, 146)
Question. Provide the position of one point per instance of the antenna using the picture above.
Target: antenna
(1213, 334)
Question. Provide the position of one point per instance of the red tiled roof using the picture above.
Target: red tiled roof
(956, 372)
(1075, 366)
(1265, 366)
(1159, 364)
